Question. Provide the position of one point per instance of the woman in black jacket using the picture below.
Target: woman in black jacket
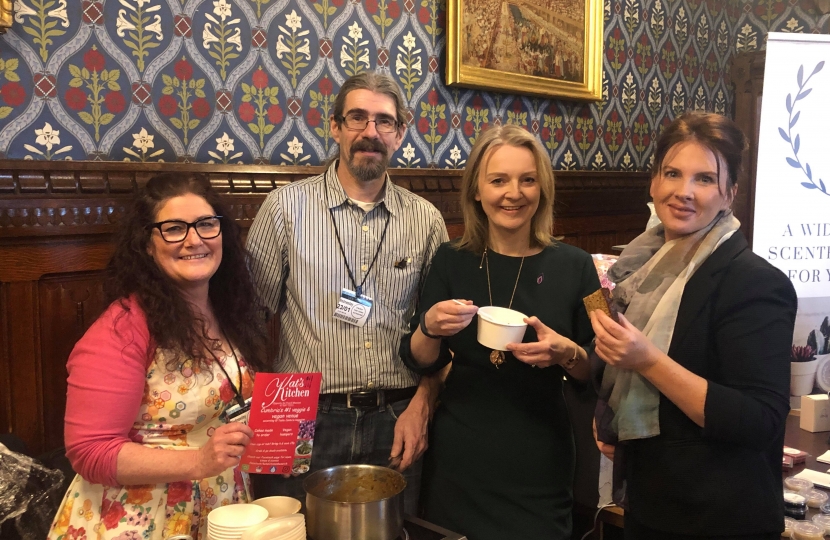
(695, 387)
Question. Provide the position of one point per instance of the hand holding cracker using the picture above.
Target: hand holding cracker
(601, 300)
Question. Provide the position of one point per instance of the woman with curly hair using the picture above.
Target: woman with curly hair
(150, 379)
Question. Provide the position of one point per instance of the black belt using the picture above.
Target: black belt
(371, 398)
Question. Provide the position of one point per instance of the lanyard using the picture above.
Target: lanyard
(237, 391)
(358, 289)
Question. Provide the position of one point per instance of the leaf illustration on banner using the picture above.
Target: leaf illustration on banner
(139, 29)
(794, 140)
(38, 23)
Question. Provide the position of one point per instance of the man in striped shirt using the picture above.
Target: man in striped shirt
(340, 258)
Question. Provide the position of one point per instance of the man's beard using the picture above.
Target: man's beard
(368, 169)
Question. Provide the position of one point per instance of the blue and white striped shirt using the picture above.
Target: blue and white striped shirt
(299, 271)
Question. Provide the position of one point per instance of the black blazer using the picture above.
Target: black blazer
(734, 328)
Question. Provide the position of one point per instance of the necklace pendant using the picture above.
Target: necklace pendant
(497, 358)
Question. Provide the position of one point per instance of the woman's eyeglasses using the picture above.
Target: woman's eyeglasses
(174, 230)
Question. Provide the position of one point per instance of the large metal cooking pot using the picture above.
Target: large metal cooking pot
(354, 502)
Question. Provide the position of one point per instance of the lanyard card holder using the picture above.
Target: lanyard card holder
(237, 413)
(353, 308)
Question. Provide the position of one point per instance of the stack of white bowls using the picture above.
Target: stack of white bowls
(282, 528)
(279, 506)
(230, 522)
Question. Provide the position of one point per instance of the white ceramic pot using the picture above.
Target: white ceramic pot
(802, 377)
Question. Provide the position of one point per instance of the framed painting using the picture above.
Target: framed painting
(550, 48)
(6, 13)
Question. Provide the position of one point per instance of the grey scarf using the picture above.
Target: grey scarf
(651, 275)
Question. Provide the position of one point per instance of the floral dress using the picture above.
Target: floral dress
(180, 410)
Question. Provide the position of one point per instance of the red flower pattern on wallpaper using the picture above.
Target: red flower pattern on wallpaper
(102, 88)
(93, 60)
(168, 105)
(394, 9)
(259, 101)
(183, 70)
(13, 94)
(321, 108)
(246, 112)
(201, 107)
(275, 115)
(75, 99)
(115, 102)
(642, 54)
(180, 89)
(313, 117)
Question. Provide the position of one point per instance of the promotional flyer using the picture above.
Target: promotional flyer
(283, 413)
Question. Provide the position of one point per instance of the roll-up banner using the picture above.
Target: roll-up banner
(792, 195)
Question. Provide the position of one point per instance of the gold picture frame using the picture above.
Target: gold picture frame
(517, 61)
(6, 15)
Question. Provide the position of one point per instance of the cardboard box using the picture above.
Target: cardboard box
(815, 413)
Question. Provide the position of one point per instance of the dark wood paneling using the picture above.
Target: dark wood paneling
(24, 367)
(69, 304)
(746, 75)
(5, 363)
(56, 224)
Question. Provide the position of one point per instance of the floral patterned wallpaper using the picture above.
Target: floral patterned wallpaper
(253, 81)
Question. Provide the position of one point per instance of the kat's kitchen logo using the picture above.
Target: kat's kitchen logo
(282, 389)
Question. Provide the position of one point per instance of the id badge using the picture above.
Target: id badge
(237, 413)
(353, 309)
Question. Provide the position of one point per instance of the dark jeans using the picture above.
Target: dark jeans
(345, 436)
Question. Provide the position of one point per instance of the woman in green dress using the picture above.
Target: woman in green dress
(502, 453)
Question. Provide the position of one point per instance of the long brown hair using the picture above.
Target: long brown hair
(170, 319)
(476, 233)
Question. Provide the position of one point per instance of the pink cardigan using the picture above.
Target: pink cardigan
(107, 372)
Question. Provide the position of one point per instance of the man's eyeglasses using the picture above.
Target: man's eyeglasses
(173, 230)
(358, 122)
